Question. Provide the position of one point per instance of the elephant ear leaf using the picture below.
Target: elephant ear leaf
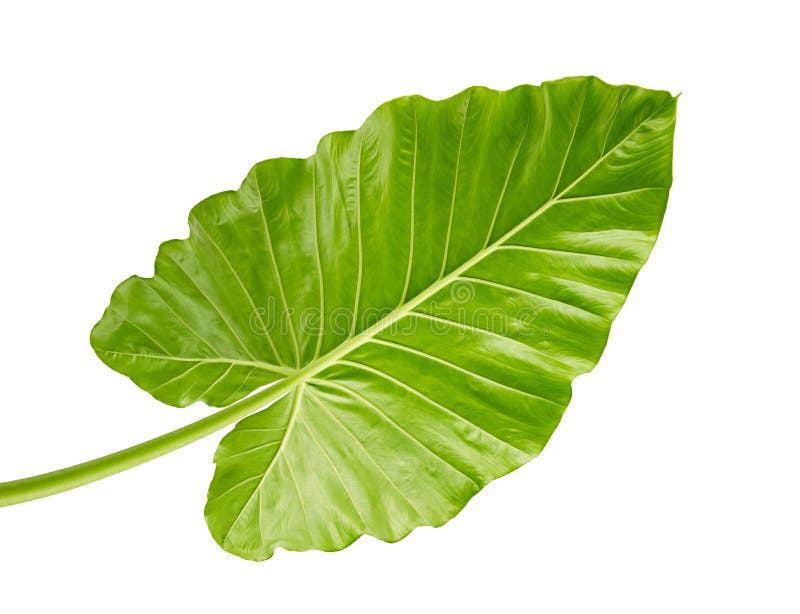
(425, 288)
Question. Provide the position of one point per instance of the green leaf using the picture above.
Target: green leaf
(427, 287)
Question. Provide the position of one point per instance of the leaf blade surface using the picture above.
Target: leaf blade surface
(437, 278)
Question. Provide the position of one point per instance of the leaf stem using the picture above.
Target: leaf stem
(45, 484)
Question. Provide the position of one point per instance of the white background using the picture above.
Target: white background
(672, 483)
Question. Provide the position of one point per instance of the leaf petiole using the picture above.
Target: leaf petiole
(45, 484)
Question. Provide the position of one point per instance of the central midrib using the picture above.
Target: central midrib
(329, 359)
(340, 351)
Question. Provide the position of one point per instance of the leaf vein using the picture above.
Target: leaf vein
(429, 400)
(455, 189)
(411, 225)
(456, 367)
(495, 284)
(214, 306)
(320, 333)
(395, 424)
(484, 331)
(505, 184)
(335, 470)
(244, 363)
(244, 289)
(277, 272)
(182, 321)
(367, 453)
(571, 140)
